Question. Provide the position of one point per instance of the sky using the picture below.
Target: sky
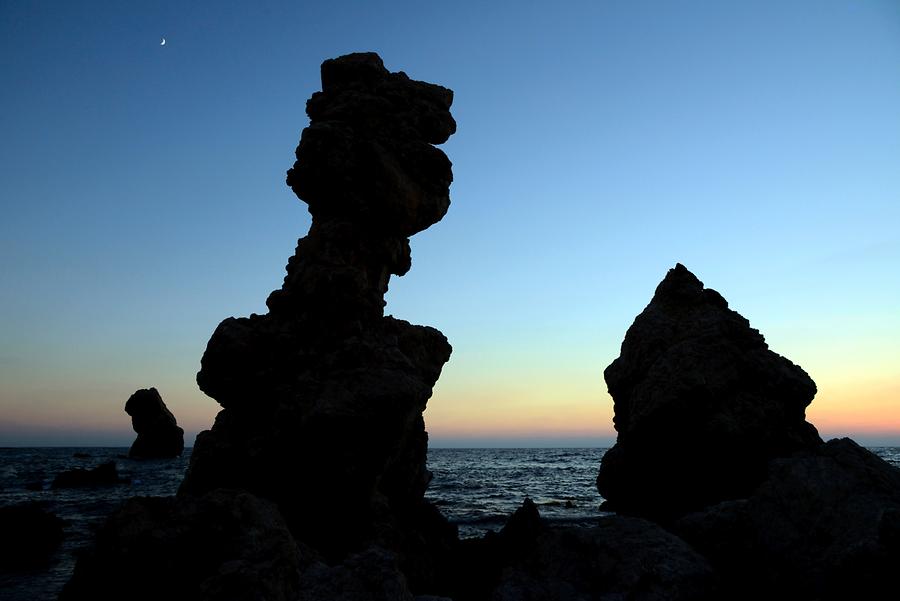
(599, 143)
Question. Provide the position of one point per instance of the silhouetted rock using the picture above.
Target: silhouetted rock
(701, 405)
(473, 569)
(158, 434)
(825, 524)
(30, 535)
(104, 474)
(522, 527)
(323, 396)
(225, 545)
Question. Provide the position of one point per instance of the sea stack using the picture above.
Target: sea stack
(701, 405)
(322, 397)
(158, 434)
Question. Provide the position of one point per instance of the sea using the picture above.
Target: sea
(477, 489)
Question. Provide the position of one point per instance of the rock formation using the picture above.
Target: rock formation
(323, 396)
(158, 434)
(701, 405)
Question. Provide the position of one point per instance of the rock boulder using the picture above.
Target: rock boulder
(824, 524)
(701, 405)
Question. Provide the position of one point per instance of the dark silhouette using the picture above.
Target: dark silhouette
(225, 545)
(713, 442)
(825, 524)
(323, 396)
(158, 434)
(619, 558)
(701, 405)
(104, 474)
(30, 535)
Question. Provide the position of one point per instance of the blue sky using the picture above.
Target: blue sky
(143, 197)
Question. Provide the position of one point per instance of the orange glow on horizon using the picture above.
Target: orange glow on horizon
(852, 404)
(864, 407)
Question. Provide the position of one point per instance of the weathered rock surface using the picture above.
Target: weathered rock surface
(104, 474)
(225, 545)
(158, 434)
(619, 559)
(701, 405)
(371, 575)
(30, 535)
(323, 396)
(825, 524)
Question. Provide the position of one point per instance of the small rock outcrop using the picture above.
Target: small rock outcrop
(701, 405)
(323, 396)
(158, 434)
(104, 474)
(825, 524)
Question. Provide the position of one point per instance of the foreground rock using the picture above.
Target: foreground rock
(104, 474)
(158, 434)
(619, 559)
(701, 405)
(371, 575)
(825, 524)
(225, 545)
(30, 535)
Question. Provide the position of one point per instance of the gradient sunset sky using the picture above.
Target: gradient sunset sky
(599, 143)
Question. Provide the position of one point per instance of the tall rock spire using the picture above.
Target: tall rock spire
(323, 396)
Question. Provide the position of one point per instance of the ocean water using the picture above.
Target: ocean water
(477, 489)
(83, 509)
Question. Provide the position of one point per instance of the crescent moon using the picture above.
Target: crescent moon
(163, 43)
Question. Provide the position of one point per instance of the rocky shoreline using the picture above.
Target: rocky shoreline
(310, 485)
